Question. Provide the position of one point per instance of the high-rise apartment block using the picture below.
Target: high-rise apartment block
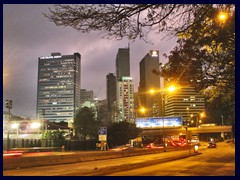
(124, 87)
(58, 91)
(125, 100)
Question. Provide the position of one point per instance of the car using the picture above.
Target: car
(212, 145)
(154, 146)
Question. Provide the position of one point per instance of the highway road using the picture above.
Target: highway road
(211, 162)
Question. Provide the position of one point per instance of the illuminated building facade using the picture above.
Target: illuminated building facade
(148, 81)
(186, 102)
(58, 91)
(125, 100)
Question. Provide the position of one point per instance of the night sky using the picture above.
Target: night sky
(27, 35)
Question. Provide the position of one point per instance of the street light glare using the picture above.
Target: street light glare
(14, 126)
(152, 91)
(142, 110)
(171, 89)
(202, 114)
(35, 125)
(222, 16)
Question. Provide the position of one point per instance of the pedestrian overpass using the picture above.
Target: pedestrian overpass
(168, 131)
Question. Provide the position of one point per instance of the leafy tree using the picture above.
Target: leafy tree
(205, 57)
(85, 123)
(128, 20)
(54, 135)
(120, 133)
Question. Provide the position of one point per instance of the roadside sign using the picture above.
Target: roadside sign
(102, 134)
(102, 131)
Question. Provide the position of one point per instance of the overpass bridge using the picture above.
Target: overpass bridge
(201, 131)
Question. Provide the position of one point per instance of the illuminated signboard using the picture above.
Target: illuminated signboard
(50, 57)
(158, 121)
(154, 53)
(126, 78)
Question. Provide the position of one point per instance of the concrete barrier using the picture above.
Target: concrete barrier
(74, 157)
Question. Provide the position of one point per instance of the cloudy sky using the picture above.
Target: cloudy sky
(27, 35)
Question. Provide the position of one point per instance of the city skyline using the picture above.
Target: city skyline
(28, 35)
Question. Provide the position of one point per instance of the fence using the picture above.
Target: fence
(70, 145)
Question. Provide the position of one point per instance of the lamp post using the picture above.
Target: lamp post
(8, 104)
(201, 115)
(188, 118)
(43, 114)
(187, 140)
(222, 120)
(142, 111)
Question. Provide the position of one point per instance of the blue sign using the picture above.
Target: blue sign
(102, 131)
(159, 121)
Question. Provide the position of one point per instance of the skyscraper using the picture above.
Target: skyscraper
(58, 91)
(86, 96)
(111, 91)
(124, 87)
(148, 81)
(125, 100)
(122, 63)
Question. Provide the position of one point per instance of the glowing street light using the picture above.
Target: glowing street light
(15, 126)
(152, 91)
(142, 110)
(202, 114)
(171, 88)
(36, 125)
(222, 16)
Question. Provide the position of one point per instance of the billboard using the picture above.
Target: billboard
(159, 121)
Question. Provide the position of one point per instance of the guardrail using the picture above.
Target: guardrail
(36, 149)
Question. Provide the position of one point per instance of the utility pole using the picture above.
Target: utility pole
(9, 106)
(43, 115)
(222, 120)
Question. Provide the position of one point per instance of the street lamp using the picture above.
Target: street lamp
(222, 16)
(43, 115)
(8, 104)
(170, 89)
(142, 110)
(188, 118)
(202, 115)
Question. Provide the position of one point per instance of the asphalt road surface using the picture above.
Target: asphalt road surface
(212, 162)
(218, 161)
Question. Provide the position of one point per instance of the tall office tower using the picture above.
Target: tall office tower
(122, 63)
(111, 94)
(125, 100)
(86, 96)
(58, 91)
(148, 81)
(185, 101)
